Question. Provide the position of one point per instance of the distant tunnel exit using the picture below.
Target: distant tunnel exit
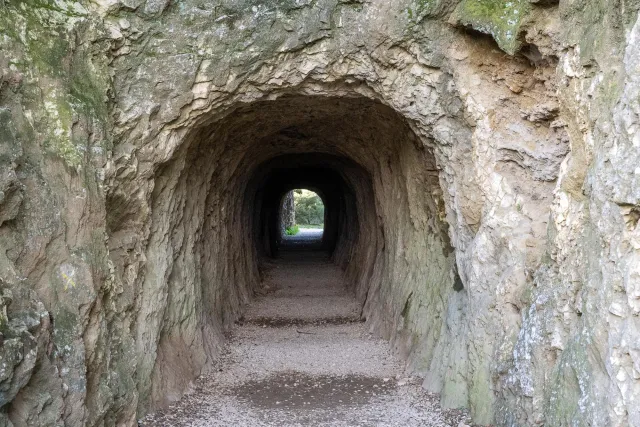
(302, 214)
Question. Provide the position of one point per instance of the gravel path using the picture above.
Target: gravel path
(306, 239)
(308, 233)
(301, 357)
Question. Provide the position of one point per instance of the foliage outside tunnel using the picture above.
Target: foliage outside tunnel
(309, 209)
(292, 231)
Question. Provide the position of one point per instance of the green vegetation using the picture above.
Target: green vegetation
(309, 208)
(499, 18)
(292, 231)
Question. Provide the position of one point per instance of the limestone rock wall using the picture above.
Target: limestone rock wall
(65, 356)
(577, 352)
(501, 143)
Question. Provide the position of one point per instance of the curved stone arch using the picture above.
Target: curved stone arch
(443, 118)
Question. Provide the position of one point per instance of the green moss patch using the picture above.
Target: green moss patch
(501, 19)
(40, 35)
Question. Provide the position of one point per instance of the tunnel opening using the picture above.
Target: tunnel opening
(327, 175)
(309, 208)
(302, 218)
(216, 212)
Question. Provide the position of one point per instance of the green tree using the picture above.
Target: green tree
(309, 207)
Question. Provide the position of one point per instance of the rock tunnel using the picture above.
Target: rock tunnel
(477, 160)
(215, 218)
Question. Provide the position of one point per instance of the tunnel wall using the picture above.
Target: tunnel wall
(103, 215)
(287, 212)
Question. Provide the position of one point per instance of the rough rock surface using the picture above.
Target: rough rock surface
(288, 212)
(483, 157)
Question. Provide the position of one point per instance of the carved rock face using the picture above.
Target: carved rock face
(484, 206)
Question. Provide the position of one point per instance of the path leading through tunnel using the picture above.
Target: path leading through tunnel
(306, 239)
(301, 356)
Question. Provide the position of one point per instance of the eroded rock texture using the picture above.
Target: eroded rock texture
(478, 160)
(287, 212)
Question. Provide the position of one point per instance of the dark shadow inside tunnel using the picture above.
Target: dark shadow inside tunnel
(327, 176)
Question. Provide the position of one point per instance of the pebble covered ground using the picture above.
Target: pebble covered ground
(300, 356)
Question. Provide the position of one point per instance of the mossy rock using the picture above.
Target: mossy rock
(502, 19)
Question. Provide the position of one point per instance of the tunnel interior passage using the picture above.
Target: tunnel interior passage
(302, 218)
(215, 218)
(331, 177)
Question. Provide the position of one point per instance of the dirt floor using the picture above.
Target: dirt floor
(302, 357)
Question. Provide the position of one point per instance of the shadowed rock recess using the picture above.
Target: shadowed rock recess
(478, 162)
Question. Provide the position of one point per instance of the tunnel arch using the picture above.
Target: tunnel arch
(317, 192)
(463, 180)
(209, 227)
